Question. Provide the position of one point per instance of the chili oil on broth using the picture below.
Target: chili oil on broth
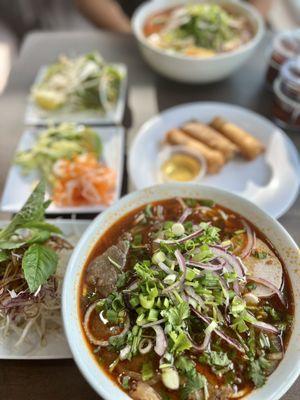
(156, 23)
(172, 212)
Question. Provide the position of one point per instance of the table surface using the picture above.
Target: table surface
(147, 94)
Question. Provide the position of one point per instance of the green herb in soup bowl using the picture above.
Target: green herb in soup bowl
(184, 292)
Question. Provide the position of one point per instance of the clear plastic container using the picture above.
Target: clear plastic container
(286, 106)
(286, 45)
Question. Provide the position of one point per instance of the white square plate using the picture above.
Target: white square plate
(56, 345)
(19, 187)
(35, 115)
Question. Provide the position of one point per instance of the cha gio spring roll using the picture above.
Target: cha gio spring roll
(249, 146)
(211, 138)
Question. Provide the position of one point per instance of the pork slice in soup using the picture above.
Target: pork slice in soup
(184, 299)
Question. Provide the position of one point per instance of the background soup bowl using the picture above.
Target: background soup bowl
(288, 369)
(189, 69)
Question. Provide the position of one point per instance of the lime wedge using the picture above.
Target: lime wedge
(48, 99)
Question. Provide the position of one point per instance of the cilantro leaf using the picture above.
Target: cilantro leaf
(118, 341)
(257, 371)
(219, 359)
(256, 374)
(193, 385)
(181, 342)
(185, 365)
(177, 315)
(144, 271)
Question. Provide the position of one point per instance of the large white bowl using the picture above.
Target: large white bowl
(287, 371)
(189, 69)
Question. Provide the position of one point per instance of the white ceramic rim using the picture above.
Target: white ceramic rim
(288, 370)
(137, 25)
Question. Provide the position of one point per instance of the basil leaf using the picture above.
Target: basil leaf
(33, 210)
(38, 264)
(38, 236)
(42, 226)
(10, 245)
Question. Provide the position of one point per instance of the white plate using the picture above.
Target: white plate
(56, 345)
(35, 115)
(271, 181)
(18, 187)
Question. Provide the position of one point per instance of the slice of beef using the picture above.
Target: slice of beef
(143, 391)
(268, 268)
(215, 393)
(101, 273)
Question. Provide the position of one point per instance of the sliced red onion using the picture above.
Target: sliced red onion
(166, 269)
(228, 339)
(91, 337)
(208, 266)
(231, 259)
(236, 288)
(145, 346)
(181, 240)
(265, 327)
(174, 286)
(126, 298)
(139, 218)
(134, 285)
(160, 342)
(181, 202)
(233, 342)
(160, 211)
(202, 346)
(22, 299)
(208, 331)
(150, 324)
(184, 216)
(269, 285)
(251, 240)
(181, 262)
(191, 292)
(182, 266)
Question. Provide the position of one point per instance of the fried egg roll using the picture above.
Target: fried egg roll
(211, 138)
(249, 146)
(214, 159)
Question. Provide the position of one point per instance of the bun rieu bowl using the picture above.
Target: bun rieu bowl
(198, 30)
(185, 299)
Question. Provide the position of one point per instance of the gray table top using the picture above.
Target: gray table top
(148, 93)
